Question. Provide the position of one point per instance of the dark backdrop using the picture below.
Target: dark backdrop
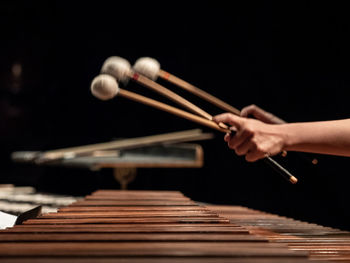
(290, 58)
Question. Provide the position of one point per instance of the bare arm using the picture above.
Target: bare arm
(255, 139)
(328, 137)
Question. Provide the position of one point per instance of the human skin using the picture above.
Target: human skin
(255, 139)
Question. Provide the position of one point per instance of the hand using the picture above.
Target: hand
(260, 114)
(253, 138)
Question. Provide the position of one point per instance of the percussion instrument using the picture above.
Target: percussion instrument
(166, 226)
(125, 156)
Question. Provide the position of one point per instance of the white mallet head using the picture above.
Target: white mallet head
(148, 67)
(117, 67)
(104, 87)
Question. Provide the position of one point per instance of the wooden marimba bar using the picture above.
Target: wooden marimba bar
(165, 226)
(322, 243)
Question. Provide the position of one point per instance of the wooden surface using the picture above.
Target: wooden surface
(146, 82)
(130, 143)
(200, 93)
(322, 243)
(165, 226)
(167, 149)
(170, 109)
(161, 156)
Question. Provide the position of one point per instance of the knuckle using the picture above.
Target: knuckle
(238, 152)
(249, 132)
(231, 145)
(252, 109)
(250, 158)
(255, 144)
(260, 149)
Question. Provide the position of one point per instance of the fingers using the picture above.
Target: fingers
(241, 137)
(244, 145)
(230, 119)
(249, 110)
(227, 137)
(256, 112)
(260, 114)
(253, 138)
(255, 155)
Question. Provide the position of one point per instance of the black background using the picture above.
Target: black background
(290, 58)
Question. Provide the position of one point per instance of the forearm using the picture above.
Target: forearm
(327, 137)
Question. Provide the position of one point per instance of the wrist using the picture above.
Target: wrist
(287, 135)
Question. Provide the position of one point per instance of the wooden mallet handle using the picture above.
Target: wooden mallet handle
(189, 116)
(162, 106)
(200, 93)
(148, 83)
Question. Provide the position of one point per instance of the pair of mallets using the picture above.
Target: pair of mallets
(145, 71)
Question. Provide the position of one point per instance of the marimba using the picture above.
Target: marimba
(167, 150)
(166, 226)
